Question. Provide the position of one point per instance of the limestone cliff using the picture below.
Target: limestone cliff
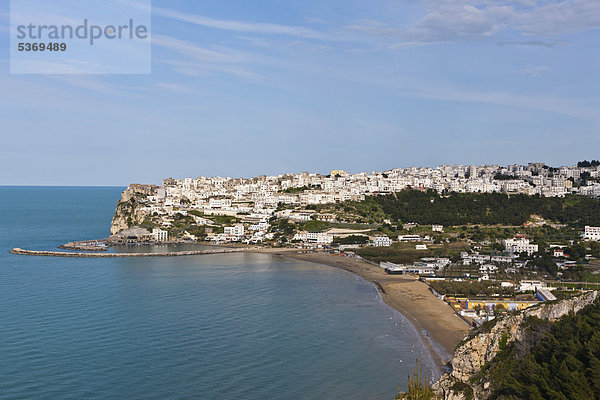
(129, 212)
(471, 357)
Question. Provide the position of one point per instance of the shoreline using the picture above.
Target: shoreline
(434, 321)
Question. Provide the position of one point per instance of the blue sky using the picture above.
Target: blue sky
(243, 88)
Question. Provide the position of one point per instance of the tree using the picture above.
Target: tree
(499, 309)
(576, 252)
(595, 249)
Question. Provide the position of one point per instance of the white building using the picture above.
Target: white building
(526, 286)
(382, 241)
(236, 230)
(591, 233)
(520, 245)
(437, 228)
(219, 203)
(159, 235)
(409, 238)
(314, 237)
(415, 269)
(559, 253)
(488, 269)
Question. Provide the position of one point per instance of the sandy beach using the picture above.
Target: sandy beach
(433, 319)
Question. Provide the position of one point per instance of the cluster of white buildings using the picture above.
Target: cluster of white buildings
(259, 197)
(264, 193)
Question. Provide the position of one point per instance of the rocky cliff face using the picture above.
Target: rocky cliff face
(477, 351)
(128, 212)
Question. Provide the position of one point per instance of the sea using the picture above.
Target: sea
(224, 326)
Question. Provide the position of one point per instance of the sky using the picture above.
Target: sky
(244, 88)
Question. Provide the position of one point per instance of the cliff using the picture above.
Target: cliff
(129, 211)
(468, 379)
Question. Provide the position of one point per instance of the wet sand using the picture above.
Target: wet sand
(433, 319)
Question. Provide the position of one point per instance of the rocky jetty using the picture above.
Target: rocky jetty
(117, 255)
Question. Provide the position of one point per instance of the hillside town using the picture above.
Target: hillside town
(256, 200)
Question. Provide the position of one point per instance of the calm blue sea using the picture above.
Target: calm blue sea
(235, 326)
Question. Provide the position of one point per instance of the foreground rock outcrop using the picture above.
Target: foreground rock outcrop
(474, 354)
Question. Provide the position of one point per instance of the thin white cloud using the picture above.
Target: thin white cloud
(530, 43)
(197, 69)
(175, 87)
(532, 71)
(474, 20)
(199, 61)
(561, 17)
(90, 83)
(238, 26)
(256, 41)
(573, 107)
(309, 46)
(222, 55)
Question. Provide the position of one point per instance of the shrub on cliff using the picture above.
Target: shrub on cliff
(552, 361)
(419, 387)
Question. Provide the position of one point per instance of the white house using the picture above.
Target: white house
(302, 215)
(382, 241)
(488, 269)
(159, 235)
(559, 253)
(421, 247)
(319, 238)
(236, 230)
(437, 228)
(520, 245)
(591, 233)
(314, 237)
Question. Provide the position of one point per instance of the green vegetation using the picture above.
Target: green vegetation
(595, 249)
(225, 219)
(149, 224)
(419, 387)
(502, 177)
(393, 254)
(405, 253)
(471, 288)
(553, 360)
(295, 190)
(588, 164)
(428, 207)
(182, 223)
(314, 226)
(352, 239)
(460, 387)
(126, 209)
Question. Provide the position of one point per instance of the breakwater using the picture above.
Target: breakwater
(115, 255)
